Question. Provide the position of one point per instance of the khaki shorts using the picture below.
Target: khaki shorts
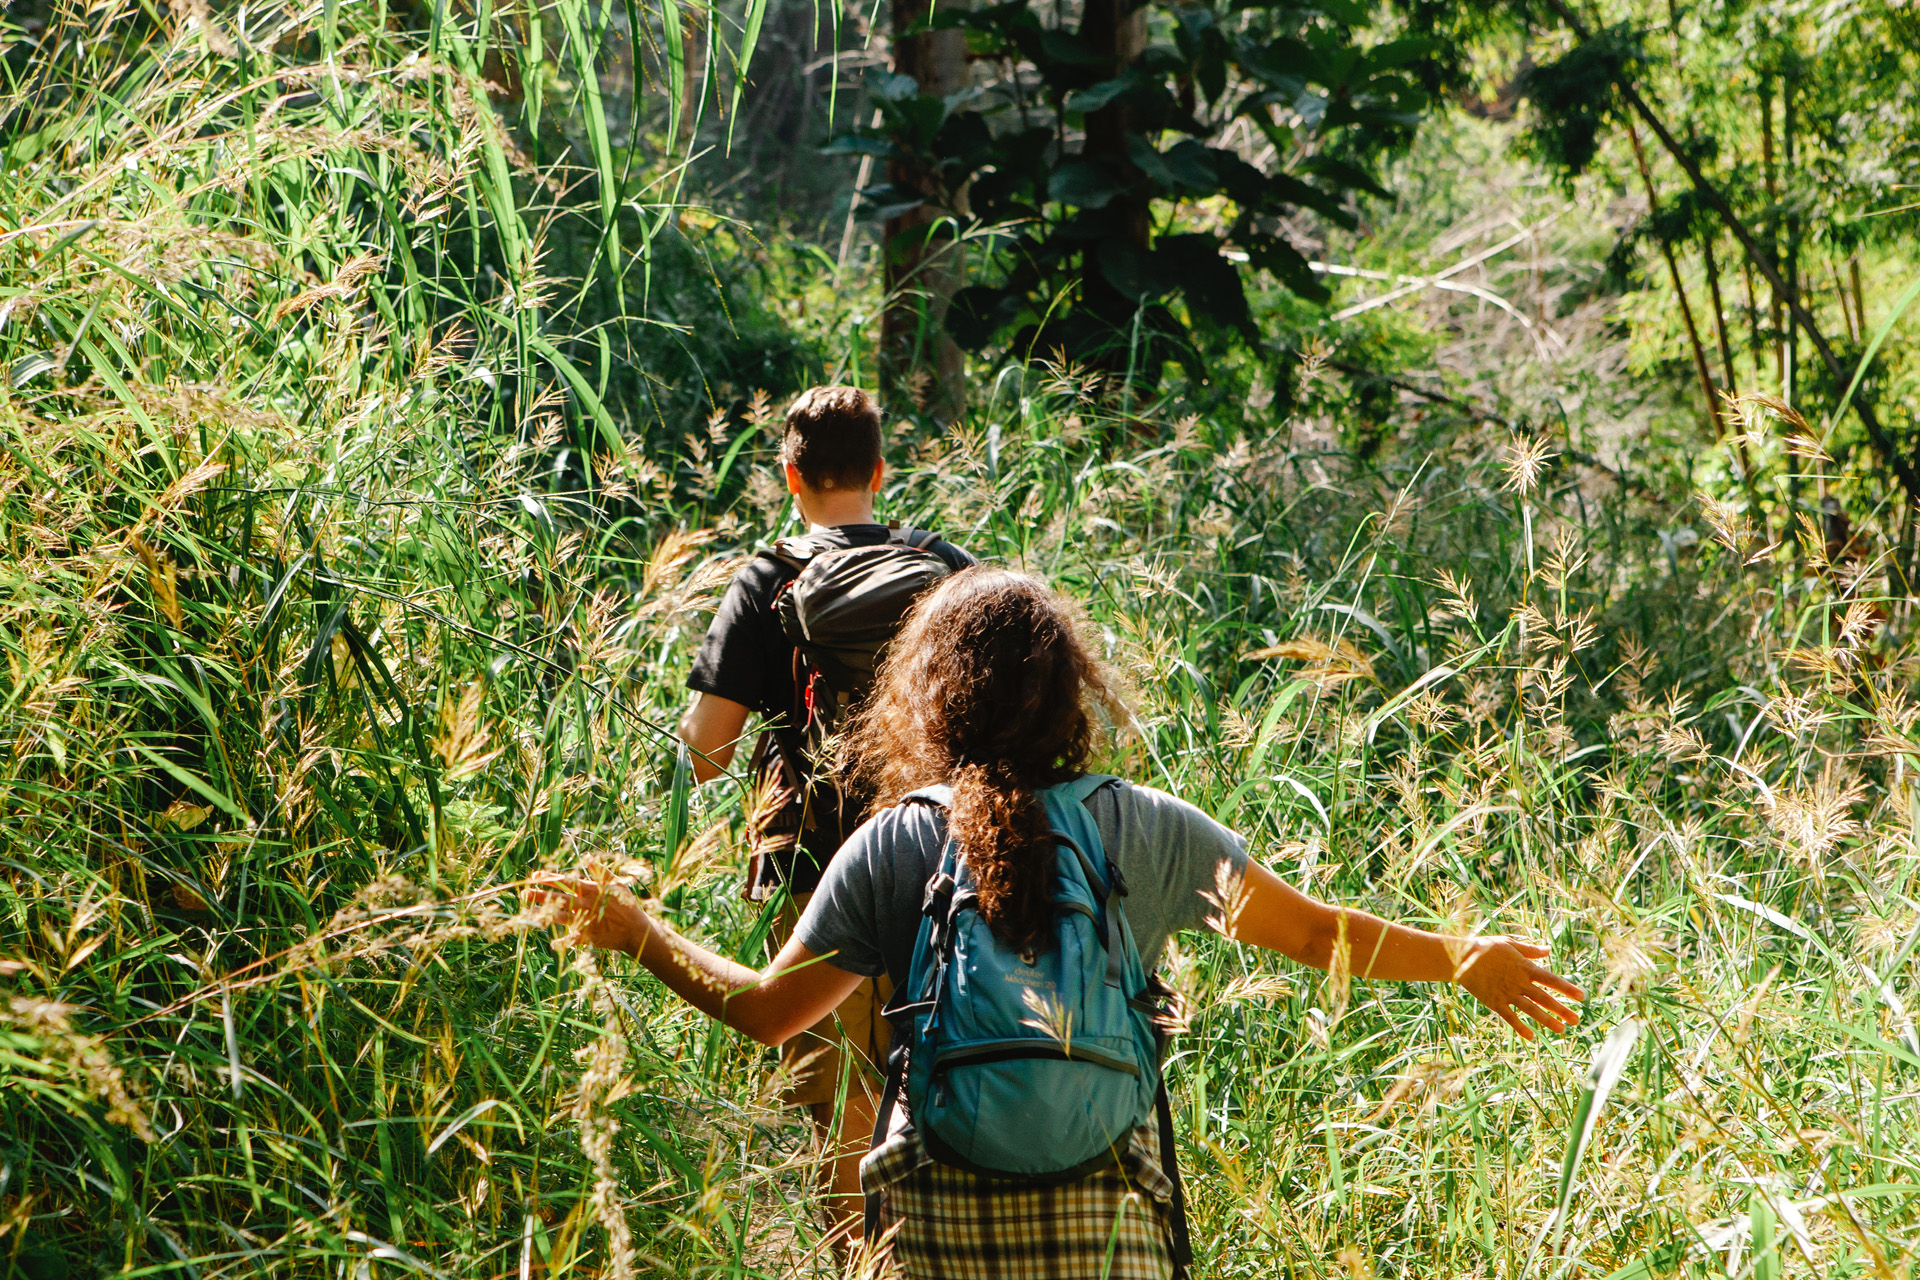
(812, 1059)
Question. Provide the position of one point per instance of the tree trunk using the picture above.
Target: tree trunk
(1118, 29)
(925, 260)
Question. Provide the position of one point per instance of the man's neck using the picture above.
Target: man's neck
(829, 512)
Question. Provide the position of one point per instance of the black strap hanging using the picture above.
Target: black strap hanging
(883, 1121)
(1170, 1158)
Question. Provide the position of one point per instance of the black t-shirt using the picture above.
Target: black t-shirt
(747, 658)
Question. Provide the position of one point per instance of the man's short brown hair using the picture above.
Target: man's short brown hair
(833, 438)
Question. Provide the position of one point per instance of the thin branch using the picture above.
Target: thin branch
(1416, 283)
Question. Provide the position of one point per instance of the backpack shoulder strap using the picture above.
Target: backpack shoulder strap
(795, 554)
(789, 557)
(1079, 790)
(918, 539)
(1082, 788)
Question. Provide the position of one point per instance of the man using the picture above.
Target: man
(831, 452)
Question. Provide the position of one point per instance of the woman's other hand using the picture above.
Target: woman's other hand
(1503, 974)
(772, 1005)
(595, 912)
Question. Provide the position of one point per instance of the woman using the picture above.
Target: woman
(989, 689)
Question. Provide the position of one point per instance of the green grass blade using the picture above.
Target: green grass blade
(674, 39)
(1906, 300)
(743, 59)
(1609, 1062)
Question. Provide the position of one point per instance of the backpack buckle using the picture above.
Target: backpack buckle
(938, 888)
(1115, 879)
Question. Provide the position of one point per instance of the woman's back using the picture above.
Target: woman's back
(866, 913)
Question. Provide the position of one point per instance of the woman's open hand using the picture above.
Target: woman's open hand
(595, 912)
(1501, 974)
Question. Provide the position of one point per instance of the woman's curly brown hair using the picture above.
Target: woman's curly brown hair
(988, 687)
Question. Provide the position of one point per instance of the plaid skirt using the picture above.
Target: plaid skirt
(948, 1224)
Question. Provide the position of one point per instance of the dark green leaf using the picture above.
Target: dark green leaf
(1273, 254)
(1396, 53)
(1086, 183)
(1150, 162)
(1343, 174)
(1192, 166)
(980, 311)
(1284, 63)
(1090, 100)
(1210, 283)
(1136, 272)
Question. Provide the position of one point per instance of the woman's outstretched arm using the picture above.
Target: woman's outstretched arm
(1499, 972)
(772, 1005)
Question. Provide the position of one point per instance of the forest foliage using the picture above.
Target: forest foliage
(389, 392)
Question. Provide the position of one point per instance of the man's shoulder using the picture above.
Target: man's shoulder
(760, 576)
(774, 564)
(956, 556)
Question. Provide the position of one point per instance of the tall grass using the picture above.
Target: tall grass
(339, 598)
(329, 571)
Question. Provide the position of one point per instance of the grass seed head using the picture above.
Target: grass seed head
(1525, 461)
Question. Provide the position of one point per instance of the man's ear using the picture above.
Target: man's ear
(794, 482)
(879, 474)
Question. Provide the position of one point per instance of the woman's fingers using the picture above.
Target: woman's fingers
(1547, 1002)
(1541, 1014)
(587, 911)
(1512, 1019)
(577, 896)
(1516, 988)
(1548, 978)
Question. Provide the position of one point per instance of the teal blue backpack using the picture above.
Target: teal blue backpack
(1035, 1066)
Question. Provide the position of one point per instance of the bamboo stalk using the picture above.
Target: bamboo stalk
(1719, 315)
(1790, 368)
(1840, 296)
(1859, 295)
(1679, 289)
(1776, 323)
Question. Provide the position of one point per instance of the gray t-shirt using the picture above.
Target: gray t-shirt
(865, 915)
